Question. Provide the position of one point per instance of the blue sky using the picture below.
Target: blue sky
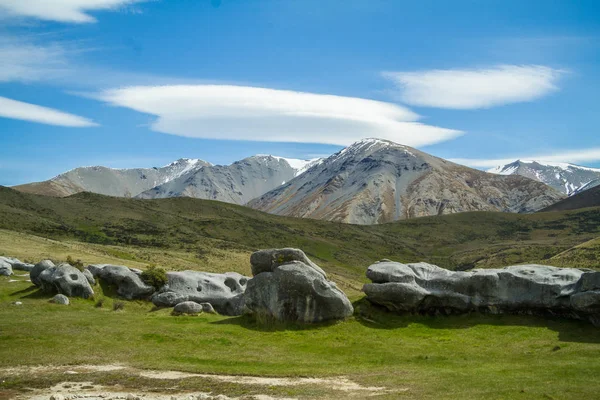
(141, 83)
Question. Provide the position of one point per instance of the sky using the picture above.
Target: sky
(141, 83)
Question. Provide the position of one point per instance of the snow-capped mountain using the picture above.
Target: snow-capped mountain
(567, 178)
(376, 181)
(112, 182)
(237, 183)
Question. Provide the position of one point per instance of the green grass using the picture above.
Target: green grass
(457, 357)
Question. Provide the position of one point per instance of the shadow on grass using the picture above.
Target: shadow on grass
(569, 330)
(251, 323)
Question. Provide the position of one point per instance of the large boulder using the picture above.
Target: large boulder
(5, 268)
(188, 308)
(38, 269)
(287, 286)
(224, 291)
(129, 284)
(534, 289)
(17, 264)
(65, 279)
(269, 259)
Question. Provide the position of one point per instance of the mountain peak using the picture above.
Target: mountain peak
(565, 177)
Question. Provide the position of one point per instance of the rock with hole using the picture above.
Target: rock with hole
(225, 292)
(65, 279)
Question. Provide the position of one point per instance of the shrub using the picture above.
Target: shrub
(155, 276)
(99, 303)
(118, 305)
(75, 263)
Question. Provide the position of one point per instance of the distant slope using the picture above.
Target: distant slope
(376, 181)
(237, 183)
(109, 181)
(199, 227)
(586, 198)
(566, 178)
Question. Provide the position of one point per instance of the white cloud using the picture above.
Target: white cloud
(21, 59)
(475, 88)
(260, 114)
(590, 155)
(30, 112)
(74, 11)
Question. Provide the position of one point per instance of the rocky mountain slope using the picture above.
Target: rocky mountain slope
(237, 183)
(566, 178)
(376, 181)
(111, 182)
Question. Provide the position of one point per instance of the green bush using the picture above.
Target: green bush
(75, 263)
(118, 305)
(155, 276)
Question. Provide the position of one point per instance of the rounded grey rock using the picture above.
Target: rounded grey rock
(38, 269)
(187, 307)
(65, 279)
(60, 299)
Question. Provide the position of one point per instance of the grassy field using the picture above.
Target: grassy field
(414, 357)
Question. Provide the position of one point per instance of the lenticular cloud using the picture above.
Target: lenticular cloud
(261, 114)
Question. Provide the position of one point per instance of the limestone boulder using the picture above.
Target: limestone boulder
(269, 259)
(38, 269)
(534, 289)
(225, 292)
(284, 288)
(5, 268)
(65, 279)
(129, 285)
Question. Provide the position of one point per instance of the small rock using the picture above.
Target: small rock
(60, 299)
(187, 307)
(18, 303)
(57, 396)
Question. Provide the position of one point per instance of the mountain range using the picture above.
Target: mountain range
(566, 178)
(372, 181)
(376, 181)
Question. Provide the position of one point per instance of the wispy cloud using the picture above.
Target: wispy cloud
(475, 88)
(261, 114)
(582, 156)
(30, 112)
(25, 60)
(71, 11)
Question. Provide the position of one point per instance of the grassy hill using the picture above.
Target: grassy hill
(183, 233)
(412, 357)
(587, 198)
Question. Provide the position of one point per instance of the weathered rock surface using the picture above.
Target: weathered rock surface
(208, 308)
(65, 279)
(17, 264)
(60, 299)
(88, 275)
(187, 307)
(292, 290)
(5, 268)
(129, 284)
(427, 288)
(225, 292)
(38, 269)
(269, 259)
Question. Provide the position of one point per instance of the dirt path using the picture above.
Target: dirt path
(71, 388)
